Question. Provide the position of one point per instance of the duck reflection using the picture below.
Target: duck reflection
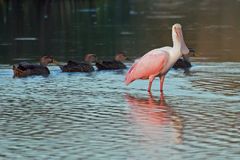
(155, 118)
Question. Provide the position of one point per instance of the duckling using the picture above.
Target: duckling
(85, 66)
(25, 69)
(114, 64)
(184, 62)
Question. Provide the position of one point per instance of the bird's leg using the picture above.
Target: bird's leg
(150, 99)
(150, 95)
(161, 82)
(162, 97)
(151, 78)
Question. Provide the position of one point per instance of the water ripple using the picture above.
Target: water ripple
(95, 116)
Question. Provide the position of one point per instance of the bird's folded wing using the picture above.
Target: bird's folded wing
(150, 64)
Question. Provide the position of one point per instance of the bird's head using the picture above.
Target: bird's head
(45, 60)
(177, 31)
(178, 40)
(120, 56)
(90, 58)
(192, 52)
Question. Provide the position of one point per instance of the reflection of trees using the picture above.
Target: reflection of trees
(70, 28)
(65, 28)
(218, 29)
(152, 115)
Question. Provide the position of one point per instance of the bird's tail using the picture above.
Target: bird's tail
(127, 79)
(129, 76)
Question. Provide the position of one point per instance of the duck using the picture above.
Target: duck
(184, 62)
(84, 66)
(24, 69)
(112, 64)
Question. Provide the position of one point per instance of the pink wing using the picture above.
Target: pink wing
(151, 64)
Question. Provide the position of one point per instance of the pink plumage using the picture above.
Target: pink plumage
(151, 64)
(157, 62)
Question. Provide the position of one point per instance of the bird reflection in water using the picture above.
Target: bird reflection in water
(156, 119)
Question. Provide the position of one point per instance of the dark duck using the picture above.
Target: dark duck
(25, 69)
(184, 62)
(112, 64)
(85, 66)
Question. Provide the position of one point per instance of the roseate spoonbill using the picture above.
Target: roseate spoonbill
(157, 62)
(25, 69)
(114, 64)
(85, 66)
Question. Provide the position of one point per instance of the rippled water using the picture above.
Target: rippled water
(95, 116)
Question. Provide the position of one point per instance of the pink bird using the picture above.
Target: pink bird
(157, 62)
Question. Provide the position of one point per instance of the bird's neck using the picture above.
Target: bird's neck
(177, 49)
(180, 45)
(175, 54)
